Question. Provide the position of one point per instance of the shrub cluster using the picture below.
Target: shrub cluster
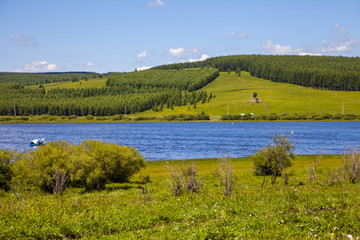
(6, 173)
(91, 164)
(291, 117)
(274, 159)
(187, 117)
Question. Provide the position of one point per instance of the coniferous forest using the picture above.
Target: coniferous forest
(322, 72)
(124, 93)
(27, 79)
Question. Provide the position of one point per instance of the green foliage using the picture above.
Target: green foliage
(91, 165)
(254, 95)
(89, 117)
(274, 159)
(26, 79)
(6, 173)
(116, 163)
(124, 94)
(290, 117)
(323, 72)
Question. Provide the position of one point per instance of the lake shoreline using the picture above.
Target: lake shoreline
(165, 121)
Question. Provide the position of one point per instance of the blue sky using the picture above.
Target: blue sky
(121, 35)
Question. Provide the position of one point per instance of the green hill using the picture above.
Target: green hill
(235, 93)
(295, 90)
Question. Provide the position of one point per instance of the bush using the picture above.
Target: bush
(91, 164)
(225, 175)
(72, 117)
(184, 179)
(46, 166)
(117, 117)
(118, 163)
(274, 159)
(351, 161)
(6, 173)
(89, 117)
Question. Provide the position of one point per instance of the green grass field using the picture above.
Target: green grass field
(301, 210)
(236, 92)
(90, 83)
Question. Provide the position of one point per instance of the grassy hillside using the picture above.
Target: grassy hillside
(90, 83)
(237, 93)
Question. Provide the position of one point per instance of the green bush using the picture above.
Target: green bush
(274, 159)
(117, 117)
(91, 164)
(6, 174)
(89, 117)
(41, 168)
(110, 162)
(72, 117)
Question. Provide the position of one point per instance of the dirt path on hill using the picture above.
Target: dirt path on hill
(351, 99)
(267, 109)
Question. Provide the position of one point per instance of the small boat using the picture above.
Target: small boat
(37, 142)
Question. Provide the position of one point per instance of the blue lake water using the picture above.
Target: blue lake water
(170, 141)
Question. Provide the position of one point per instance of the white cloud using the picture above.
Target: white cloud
(143, 68)
(239, 35)
(309, 54)
(268, 46)
(25, 40)
(157, 3)
(340, 44)
(202, 58)
(178, 52)
(341, 28)
(143, 54)
(40, 66)
(91, 64)
(181, 52)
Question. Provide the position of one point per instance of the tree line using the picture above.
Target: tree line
(27, 79)
(124, 94)
(322, 72)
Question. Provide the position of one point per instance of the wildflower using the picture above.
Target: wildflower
(316, 218)
(336, 228)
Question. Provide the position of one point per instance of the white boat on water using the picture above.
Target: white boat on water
(37, 142)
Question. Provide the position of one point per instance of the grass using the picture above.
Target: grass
(300, 210)
(236, 92)
(90, 83)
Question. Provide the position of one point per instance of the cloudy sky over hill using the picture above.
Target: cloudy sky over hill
(113, 35)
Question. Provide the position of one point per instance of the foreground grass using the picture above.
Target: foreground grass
(300, 210)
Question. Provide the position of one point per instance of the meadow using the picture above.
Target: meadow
(146, 207)
(235, 93)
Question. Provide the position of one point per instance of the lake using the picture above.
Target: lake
(170, 141)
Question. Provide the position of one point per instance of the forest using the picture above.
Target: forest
(321, 72)
(124, 93)
(27, 79)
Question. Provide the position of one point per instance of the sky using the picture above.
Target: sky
(124, 35)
